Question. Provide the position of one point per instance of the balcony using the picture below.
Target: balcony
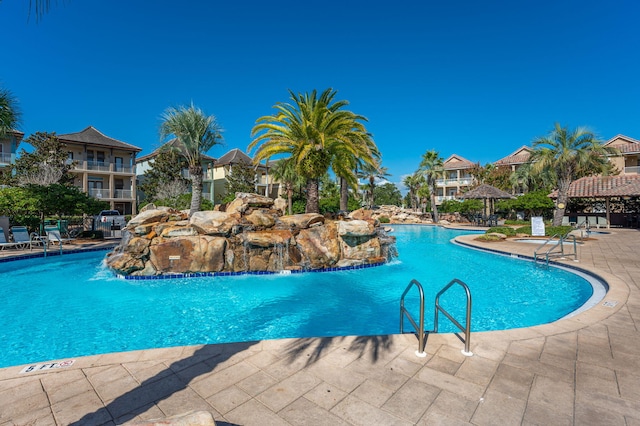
(118, 168)
(99, 193)
(98, 166)
(5, 158)
(633, 170)
(123, 193)
(465, 181)
(441, 198)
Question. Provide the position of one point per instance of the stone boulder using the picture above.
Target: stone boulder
(214, 222)
(302, 221)
(202, 253)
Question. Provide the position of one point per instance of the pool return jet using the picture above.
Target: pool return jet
(419, 328)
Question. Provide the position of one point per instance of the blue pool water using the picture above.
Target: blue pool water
(67, 306)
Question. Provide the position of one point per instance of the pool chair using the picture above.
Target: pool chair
(4, 243)
(53, 235)
(22, 237)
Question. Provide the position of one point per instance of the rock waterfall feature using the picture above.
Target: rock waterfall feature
(251, 235)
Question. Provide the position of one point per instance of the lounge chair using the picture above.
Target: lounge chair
(4, 243)
(53, 235)
(22, 237)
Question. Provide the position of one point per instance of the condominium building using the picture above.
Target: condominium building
(104, 167)
(457, 178)
(627, 162)
(514, 161)
(8, 149)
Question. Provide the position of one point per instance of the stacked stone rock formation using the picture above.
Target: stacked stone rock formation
(252, 234)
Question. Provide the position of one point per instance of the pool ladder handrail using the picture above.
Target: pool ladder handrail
(438, 308)
(418, 328)
(559, 246)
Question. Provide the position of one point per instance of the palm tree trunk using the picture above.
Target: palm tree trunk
(344, 195)
(563, 196)
(434, 208)
(290, 199)
(196, 189)
(313, 201)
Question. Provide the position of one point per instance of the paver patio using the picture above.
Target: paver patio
(579, 371)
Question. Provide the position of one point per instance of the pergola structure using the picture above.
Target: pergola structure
(488, 194)
(606, 187)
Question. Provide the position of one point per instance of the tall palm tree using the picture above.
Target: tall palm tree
(432, 168)
(371, 173)
(317, 134)
(284, 172)
(568, 155)
(10, 115)
(197, 134)
(413, 183)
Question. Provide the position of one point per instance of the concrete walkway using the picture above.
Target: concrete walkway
(580, 371)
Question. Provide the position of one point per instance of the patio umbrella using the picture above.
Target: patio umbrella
(487, 193)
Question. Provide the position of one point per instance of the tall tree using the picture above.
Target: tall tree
(432, 168)
(47, 164)
(370, 173)
(197, 133)
(10, 115)
(569, 155)
(284, 172)
(167, 166)
(317, 134)
(413, 183)
(242, 178)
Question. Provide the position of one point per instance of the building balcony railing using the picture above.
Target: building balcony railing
(99, 166)
(123, 193)
(441, 198)
(633, 170)
(454, 182)
(122, 169)
(5, 158)
(99, 193)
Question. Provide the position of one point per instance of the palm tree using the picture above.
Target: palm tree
(284, 172)
(413, 183)
(432, 168)
(371, 173)
(197, 134)
(9, 113)
(568, 155)
(317, 134)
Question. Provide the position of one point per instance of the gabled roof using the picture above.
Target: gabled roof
(234, 156)
(519, 156)
(173, 143)
(93, 136)
(604, 186)
(624, 144)
(455, 162)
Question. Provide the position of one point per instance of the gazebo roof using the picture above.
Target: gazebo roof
(485, 191)
(173, 143)
(604, 186)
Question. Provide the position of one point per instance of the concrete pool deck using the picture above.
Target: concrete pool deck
(584, 370)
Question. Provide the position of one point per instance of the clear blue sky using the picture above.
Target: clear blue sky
(479, 79)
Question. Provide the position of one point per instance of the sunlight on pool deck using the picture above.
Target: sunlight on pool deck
(582, 370)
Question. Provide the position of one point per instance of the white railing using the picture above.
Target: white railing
(454, 182)
(206, 196)
(632, 170)
(99, 193)
(122, 169)
(5, 158)
(98, 166)
(442, 198)
(123, 193)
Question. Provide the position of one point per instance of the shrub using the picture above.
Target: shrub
(548, 230)
(488, 238)
(384, 219)
(509, 232)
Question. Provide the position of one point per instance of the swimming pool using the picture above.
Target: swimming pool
(67, 306)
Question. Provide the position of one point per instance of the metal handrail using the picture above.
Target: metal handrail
(559, 246)
(467, 328)
(419, 328)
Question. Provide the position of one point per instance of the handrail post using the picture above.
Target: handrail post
(420, 327)
(467, 329)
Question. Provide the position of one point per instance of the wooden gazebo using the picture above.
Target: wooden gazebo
(488, 194)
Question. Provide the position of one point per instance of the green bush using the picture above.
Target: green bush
(548, 230)
(509, 232)
(384, 219)
(488, 238)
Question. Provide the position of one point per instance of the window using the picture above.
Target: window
(90, 156)
(100, 156)
(119, 164)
